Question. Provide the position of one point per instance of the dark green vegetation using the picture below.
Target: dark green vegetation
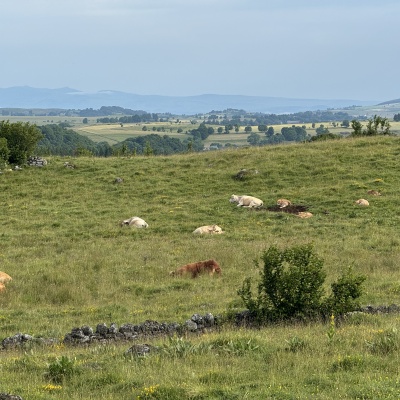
(291, 287)
(72, 264)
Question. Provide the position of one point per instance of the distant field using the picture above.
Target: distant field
(115, 133)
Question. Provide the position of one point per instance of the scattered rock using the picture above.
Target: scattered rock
(35, 161)
(8, 396)
(118, 180)
(141, 350)
(69, 165)
(245, 173)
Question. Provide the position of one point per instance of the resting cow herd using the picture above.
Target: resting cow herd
(211, 266)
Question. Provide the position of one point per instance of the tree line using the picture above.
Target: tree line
(20, 140)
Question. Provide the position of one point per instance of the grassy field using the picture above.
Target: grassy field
(72, 264)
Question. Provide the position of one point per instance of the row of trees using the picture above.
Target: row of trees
(20, 140)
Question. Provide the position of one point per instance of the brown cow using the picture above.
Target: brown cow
(195, 269)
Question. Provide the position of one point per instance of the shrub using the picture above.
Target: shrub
(345, 293)
(291, 286)
(384, 342)
(60, 369)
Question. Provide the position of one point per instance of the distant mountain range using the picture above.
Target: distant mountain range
(67, 98)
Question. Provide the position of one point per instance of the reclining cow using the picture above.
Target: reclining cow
(246, 201)
(211, 229)
(136, 222)
(282, 203)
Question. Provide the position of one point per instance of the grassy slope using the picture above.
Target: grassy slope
(73, 265)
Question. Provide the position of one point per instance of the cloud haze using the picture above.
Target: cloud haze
(302, 49)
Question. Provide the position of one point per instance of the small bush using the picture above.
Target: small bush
(348, 363)
(384, 342)
(291, 286)
(61, 369)
(295, 344)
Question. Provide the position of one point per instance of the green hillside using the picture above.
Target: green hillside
(72, 264)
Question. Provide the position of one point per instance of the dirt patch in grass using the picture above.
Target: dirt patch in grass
(291, 209)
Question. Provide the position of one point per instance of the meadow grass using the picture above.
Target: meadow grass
(73, 264)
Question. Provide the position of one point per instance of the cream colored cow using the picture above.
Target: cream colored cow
(304, 214)
(4, 278)
(208, 229)
(282, 203)
(246, 201)
(136, 222)
(362, 202)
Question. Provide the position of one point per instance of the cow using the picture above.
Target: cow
(136, 222)
(374, 193)
(4, 278)
(362, 202)
(282, 203)
(195, 269)
(211, 229)
(246, 201)
(304, 214)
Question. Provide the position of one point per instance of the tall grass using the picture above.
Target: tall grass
(73, 264)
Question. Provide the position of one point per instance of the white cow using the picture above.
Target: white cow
(136, 222)
(362, 202)
(246, 201)
(212, 229)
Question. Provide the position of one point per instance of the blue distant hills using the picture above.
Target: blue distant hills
(67, 98)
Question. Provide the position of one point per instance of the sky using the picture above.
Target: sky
(314, 49)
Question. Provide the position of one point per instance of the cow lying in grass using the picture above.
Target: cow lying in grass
(282, 203)
(136, 222)
(374, 192)
(195, 269)
(4, 278)
(246, 201)
(211, 229)
(362, 202)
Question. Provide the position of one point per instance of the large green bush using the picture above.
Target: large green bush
(21, 138)
(291, 286)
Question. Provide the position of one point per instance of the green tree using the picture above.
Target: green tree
(262, 128)
(22, 139)
(85, 121)
(248, 129)
(375, 126)
(345, 123)
(357, 128)
(396, 117)
(321, 130)
(4, 151)
(148, 151)
(254, 139)
(270, 131)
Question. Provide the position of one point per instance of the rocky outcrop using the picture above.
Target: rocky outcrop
(35, 161)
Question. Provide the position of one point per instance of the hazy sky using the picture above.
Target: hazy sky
(325, 49)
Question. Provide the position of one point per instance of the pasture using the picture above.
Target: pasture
(72, 264)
